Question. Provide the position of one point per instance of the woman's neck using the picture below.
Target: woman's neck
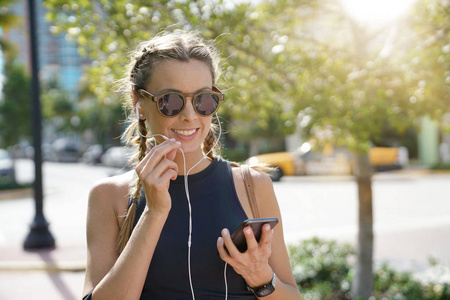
(192, 159)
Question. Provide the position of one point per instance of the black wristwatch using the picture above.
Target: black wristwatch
(266, 289)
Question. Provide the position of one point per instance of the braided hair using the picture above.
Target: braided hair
(182, 46)
(130, 214)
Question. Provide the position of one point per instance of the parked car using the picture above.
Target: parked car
(6, 166)
(93, 154)
(303, 161)
(65, 150)
(388, 158)
(47, 152)
(117, 157)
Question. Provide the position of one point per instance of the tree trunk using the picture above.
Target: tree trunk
(362, 285)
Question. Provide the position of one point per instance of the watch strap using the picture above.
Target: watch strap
(265, 289)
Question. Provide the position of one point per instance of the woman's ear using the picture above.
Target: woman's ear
(137, 106)
(134, 98)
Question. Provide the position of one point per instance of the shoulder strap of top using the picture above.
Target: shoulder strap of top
(248, 181)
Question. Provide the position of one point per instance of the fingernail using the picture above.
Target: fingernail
(178, 142)
(172, 139)
(225, 232)
(247, 230)
(220, 241)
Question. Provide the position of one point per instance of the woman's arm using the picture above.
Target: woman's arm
(113, 276)
(108, 275)
(270, 255)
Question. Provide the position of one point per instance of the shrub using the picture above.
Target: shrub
(7, 184)
(323, 270)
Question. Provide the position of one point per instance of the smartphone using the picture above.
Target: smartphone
(238, 236)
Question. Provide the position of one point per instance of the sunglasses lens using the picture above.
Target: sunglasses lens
(206, 104)
(170, 104)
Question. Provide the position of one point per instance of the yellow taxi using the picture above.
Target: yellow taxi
(330, 161)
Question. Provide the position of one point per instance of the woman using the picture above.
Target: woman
(180, 244)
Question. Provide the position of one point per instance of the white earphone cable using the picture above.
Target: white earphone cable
(186, 187)
(225, 280)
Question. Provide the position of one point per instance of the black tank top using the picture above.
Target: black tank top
(215, 205)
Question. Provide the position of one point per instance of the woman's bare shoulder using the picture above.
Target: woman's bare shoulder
(111, 185)
(111, 191)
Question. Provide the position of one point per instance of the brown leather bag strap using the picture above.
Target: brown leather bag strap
(248, 181)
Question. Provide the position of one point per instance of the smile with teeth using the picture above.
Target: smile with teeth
(185, 132)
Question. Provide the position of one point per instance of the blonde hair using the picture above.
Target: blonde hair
(182, 46)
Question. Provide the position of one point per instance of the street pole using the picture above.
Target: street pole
(39, 236)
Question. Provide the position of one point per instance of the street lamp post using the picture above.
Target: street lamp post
(39, 236)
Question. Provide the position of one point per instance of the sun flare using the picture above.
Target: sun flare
(376, 11)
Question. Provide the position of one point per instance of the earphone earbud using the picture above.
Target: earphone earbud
(137, 106)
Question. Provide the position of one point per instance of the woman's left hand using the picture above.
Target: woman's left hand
(253, 264)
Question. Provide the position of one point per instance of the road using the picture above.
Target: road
(411, 210)
(66, 189)
(411, 215)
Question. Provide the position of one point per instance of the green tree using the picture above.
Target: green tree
(365, 84)
(15, 108)
(430, 56)
(57, 107)
(99, 118)
(265, 67)
(7, 20)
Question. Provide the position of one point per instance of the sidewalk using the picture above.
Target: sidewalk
(45, 274)
(50, 274)
(58, 259)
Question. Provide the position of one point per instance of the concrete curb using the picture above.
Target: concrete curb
(20, 266)
(388, 175)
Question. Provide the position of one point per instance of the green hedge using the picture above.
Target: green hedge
(7, 184)
(324, 270)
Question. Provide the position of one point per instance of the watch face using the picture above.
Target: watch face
(265, 291)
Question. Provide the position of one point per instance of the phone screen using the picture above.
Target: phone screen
(238, 236)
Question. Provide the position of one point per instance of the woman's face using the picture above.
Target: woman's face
(186, 77)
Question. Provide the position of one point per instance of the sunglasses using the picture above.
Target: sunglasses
(172, 103)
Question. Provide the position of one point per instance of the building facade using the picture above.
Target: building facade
(58, 56)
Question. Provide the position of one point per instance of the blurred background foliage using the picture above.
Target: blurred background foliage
(289, 66)
(245, 33)
(15, 115)
(7, 21)
(285, 62)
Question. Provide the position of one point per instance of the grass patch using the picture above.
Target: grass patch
(441, 166)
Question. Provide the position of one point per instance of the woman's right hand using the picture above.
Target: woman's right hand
(155, 171)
